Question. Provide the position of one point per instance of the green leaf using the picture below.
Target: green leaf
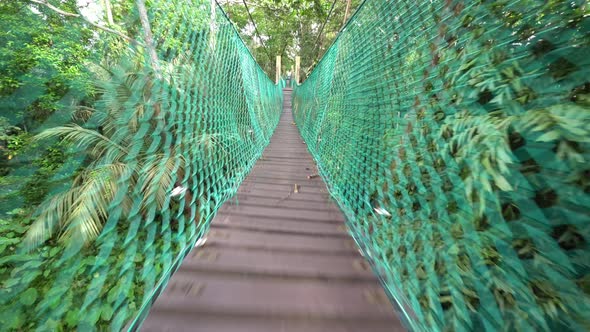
(54, 251)
(11, 282)
(107, 312)
(15, 258)
(113, 293)
(93, 316)
(549, 136)
(72, 318)
(29, 296)
(32, 264)
(453, 250)
(502, 183)
(49, 325)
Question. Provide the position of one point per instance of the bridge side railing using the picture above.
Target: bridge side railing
(454, 136)
(132, 142)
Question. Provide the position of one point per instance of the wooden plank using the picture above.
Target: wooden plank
(277, 264)
(290, 181)
(290, 170)
(241, 295)
(302, 188)
(238, 238)
(243, 212)
(287, 204)
(278, 182)
(179, 322)
(288, 196)
(275, 225)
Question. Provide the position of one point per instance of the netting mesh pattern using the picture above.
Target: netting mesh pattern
(455, 136)
(170, 136)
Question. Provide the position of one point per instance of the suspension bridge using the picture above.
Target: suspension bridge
(277, 258)
(429, 174)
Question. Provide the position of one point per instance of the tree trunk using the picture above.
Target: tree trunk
(212, 26)
(147, 34)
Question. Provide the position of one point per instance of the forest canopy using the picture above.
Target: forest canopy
(289, 28)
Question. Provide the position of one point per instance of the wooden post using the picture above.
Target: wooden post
(278, 70)
(346, 13)
(297, 68)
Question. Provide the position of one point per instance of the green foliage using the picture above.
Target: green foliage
(41, 61)
(42, 72)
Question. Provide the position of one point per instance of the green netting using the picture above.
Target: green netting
(138, 143)
(455, 136)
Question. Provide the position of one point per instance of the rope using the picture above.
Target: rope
(256, 30)
(322, 30)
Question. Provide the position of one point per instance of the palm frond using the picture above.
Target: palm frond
(49, 218)
(159, 177)
(83, 113)
(81, 137)
(90, 209)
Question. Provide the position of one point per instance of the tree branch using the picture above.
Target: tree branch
(55, 9)
(101, 27)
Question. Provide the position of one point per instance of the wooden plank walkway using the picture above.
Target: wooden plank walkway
(280, 260)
